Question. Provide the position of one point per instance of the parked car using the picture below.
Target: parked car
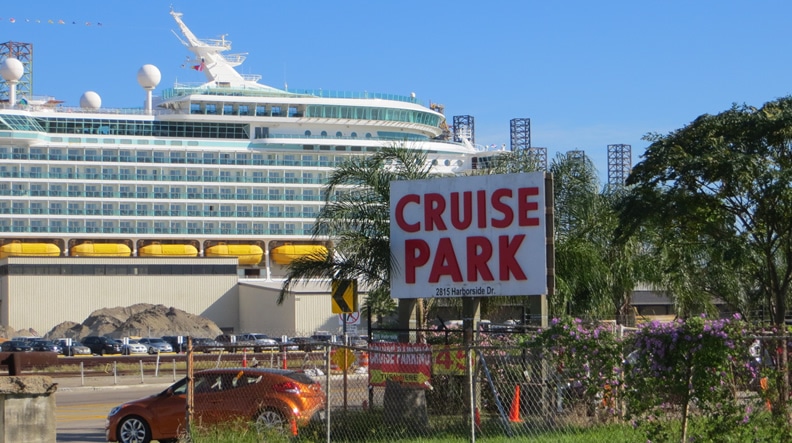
(75, 348)
(156, 345)
(206, 345)
(15, 346)
(134, 347)
(173, 340)
(231, 342)
(102, 345)
(271, 398)
(306, 344)
(44, 345)
(287, 345)
(258, 341)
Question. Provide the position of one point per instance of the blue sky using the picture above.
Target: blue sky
(586, 73)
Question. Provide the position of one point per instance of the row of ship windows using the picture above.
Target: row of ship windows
(175, 230)
(169, 157)
(273, 195)
(274, 177)
(318, 111)
(205, 158)
(144, 212)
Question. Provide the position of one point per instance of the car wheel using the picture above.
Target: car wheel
(101, 352)
(134, 429)
(269, 420)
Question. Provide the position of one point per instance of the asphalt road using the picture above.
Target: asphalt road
(81, 406)
(80, 412)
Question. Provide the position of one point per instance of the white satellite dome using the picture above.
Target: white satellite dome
(11, 69)
(90, 100)
(149, 76)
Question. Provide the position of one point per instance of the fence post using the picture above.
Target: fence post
(471, 391)
(327, 388)
(190, 386)
(141, 372)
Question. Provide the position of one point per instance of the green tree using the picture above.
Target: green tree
(723, 182)
(356, 216)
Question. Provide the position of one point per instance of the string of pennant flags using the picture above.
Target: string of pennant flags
(49, 21)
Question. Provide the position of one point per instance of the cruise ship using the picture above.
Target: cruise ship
(229, 167)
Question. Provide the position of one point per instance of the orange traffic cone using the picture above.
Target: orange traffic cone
(514, 413)
(294, 427)
(477, 417)
(244, 358)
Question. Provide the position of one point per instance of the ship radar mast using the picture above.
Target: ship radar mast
(218, 68)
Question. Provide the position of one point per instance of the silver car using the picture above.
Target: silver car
(156, 345)
(134, 347)
(73, 347)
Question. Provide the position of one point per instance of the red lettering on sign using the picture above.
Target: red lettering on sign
(407, 227)
(502, 205)
(466, 218)
(479, 251)
(434, 206)
(445, 262)
(503, 208)
(416, 255)
(524, 206)
(507, 261)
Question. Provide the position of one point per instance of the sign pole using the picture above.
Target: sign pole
(346, 363)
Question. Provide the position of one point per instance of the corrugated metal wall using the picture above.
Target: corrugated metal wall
(44, 301)
(302, 313)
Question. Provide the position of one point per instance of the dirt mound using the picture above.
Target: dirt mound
(142, 319)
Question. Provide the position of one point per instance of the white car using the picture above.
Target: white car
(134, 347)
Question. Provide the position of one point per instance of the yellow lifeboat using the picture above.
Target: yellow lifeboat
(89, 249)
(19, 249)
(159, 250)
(247, 254)
(285, 254)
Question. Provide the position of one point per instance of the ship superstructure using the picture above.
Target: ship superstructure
(227, 167)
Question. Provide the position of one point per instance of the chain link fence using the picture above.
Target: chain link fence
(393, 391)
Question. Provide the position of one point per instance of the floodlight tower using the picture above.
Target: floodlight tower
(24, 53)
(619, 164)
(464, 127)
(576, 154)
(520, 130)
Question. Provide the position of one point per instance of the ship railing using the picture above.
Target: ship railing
(79, 110)
(181, 89)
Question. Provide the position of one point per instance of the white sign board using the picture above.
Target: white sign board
(351, 318)
(478, 236)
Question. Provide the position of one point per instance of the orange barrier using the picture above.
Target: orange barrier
(364, 360)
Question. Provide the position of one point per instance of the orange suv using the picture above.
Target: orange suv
(269, 398)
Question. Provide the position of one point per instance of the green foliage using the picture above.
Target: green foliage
(587, 354)
(356, 215)
(719, 188)
(701, 365)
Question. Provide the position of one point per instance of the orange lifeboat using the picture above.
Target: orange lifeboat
(285, 254)
(247, 254)
(90, 249)
(19, 249)
(169, 250)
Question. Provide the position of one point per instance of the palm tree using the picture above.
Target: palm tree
(356, 216)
